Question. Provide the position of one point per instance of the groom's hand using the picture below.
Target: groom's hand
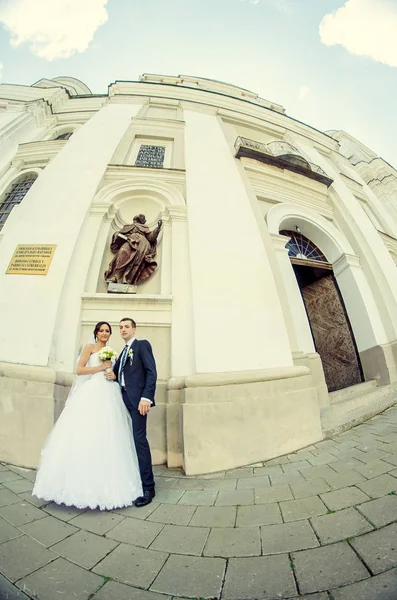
(144, 407)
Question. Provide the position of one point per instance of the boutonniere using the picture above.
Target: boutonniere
(131, 355)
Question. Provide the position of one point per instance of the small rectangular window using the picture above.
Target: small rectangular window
(150, 156)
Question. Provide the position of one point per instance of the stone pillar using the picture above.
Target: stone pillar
(52, 213)
(235, 301)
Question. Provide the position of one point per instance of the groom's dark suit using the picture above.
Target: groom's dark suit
(140, 377)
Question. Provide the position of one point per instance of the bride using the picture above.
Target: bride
(89, 458)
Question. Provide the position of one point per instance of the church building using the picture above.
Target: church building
(256, 254)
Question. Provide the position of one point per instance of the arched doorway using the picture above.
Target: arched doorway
(331, 331)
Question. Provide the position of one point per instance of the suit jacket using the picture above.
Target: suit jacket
(140, 374)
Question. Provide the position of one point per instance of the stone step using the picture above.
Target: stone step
(357, 408)
(351, 391)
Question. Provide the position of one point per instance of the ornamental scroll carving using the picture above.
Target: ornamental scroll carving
(134, 247)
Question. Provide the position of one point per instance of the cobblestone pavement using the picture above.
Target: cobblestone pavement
(319, 524)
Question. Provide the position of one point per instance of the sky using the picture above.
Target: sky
(330, 63)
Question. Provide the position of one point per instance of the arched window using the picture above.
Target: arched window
(64, 136)
(301, 247)
(14, 195)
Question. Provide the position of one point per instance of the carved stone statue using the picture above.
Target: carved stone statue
(135, 248)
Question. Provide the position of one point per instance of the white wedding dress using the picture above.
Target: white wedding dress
(89, 458)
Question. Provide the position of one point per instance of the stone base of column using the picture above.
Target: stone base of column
(31, 400)
(233, 419)
(380, 363)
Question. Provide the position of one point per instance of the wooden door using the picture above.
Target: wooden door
(333, 337)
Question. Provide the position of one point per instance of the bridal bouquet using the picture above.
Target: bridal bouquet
(107, 353)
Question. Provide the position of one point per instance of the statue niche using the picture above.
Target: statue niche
(135, 249)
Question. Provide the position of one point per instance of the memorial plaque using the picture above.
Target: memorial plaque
(31, 259)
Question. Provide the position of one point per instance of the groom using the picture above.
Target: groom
(135, 370)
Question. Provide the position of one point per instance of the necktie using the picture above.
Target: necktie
(122, 363)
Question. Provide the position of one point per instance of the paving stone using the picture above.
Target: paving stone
(137, 513)
(84, 548)
(260, 514)
(191, 576)
(381, 511)
(235, 498)
(19, 485)
(318, 472)
(221, 484)
(369, 457)
(38, 502)
(392, 459)
(374, 469)
(7, 531)
(239, 473)
(325, 445)
(343, 498)
(214, 516)
(189, 484)
(263, 577)
(170, 514)
(9, 592)
(168, 496)
(65, 513)
(347, 464)
(288, 537)
(281, 460)
(294, 510)
(7, 497)
(61, 579)
(97, 521)
(344, 479)
(253, 482)
(275, 470)
(340, 525)
(8, 476)
(219, 475)
(21, 513)
(275, 493)
(132, 565)
(309, 488)
(163, 483)
(378, 549)
(48, 531)
(22, 556)
(244, 541)
(327, 567)
(181, 540)
(206, 498)
(379, 587)
(286, 478)
(300, 455)
(324, 458)
(320, 596)
(296, 465)
(135, 531)
(379, 486)
(118, 591)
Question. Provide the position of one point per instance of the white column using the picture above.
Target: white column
(52, 213)
(292, 302)
(182, 344)
(238, 321)
(359, 302)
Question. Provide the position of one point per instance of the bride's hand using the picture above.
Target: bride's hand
(107, 364)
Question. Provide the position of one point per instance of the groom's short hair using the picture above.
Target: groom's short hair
(133, 324)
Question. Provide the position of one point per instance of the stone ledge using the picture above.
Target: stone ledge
(34, 373)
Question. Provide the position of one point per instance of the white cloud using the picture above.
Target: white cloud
(304, 92)
(1, 69)
(53, 28)
(364, 28)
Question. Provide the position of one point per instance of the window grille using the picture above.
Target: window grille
(301, 247)
(14, 196)
(150, 156)
(64, 136)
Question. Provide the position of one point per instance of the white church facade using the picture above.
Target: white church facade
(272, 305)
